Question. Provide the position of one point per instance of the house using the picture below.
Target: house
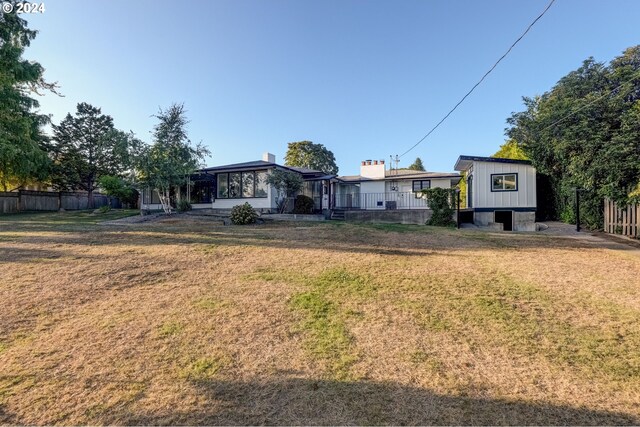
(377, 188)
(500, 192)
(223, 187)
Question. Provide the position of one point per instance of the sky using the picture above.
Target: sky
(367, 79)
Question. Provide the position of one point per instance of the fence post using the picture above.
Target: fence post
(577, 210)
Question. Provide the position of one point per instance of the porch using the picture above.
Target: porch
(379, 201)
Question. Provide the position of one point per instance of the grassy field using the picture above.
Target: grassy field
(184, 321)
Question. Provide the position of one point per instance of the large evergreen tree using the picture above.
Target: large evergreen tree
(86, 147)
(22, 144)
(309, 155)
(417, 165)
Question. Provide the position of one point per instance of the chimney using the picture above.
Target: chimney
(268, 157)
(373, 169)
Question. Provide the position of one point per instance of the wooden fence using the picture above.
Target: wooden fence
(23, 201)
(625, 220)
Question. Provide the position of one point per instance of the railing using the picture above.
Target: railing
(391, 200)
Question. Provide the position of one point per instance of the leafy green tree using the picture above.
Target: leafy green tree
(306, 154)
(120, 188)
(23, 156)
(86, 147)
(417, 165)
(511, 150)
(585, 133)
(287, 184)
(168, 163)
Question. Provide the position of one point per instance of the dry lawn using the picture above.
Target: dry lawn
(185, 321)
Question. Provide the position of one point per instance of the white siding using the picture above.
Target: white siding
(483, 197)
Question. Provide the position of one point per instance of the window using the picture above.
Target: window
(421, 185)
(236, 185)
(504, 182)
(248, 181)
(223, 186)
(261, 184)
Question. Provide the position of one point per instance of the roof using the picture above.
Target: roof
(401, 174)
(261, 164)
(241, 166)
(464, 162)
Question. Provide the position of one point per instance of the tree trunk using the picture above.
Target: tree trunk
(90, 199)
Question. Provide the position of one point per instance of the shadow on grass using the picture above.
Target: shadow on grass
(380, 239)
(290, 401)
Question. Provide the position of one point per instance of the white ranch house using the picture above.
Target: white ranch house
(223, 187)
(501, 193)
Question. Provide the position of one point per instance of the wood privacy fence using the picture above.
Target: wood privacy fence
(22, 201)
(621, 220)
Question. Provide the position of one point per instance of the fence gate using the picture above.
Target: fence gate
(621, 220)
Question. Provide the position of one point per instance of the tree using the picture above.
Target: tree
(585, 133)
(417, 165)
(120, 188)
(306, 154)
(511, 150)
(287, 184)
(86, 147)
(171, 159)
(22, 144)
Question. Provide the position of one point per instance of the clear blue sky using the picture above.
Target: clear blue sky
(365, 78)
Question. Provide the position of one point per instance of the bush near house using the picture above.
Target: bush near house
(441, 203)
(303, 205)
(243, 214)
(183, 205)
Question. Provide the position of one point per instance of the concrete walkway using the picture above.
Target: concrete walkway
(598, 238)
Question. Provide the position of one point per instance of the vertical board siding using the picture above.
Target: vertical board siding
(621, 220)
(23, 201)
(483, 197)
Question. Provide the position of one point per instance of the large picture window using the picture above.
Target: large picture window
(248, 183)
(504, 182)
(235, 191)
(261, 183)
(236, 185)
(223, 186)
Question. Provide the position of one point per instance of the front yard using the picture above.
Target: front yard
(183, 321)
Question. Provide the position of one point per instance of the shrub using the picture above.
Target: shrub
(243, 214)
(183, 205)
(104, 209)
(441, 204)
(303, 205)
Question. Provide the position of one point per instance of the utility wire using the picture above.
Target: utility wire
(589, 103)
(482, 79)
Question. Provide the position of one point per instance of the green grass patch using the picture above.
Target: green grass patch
(66, 218)
(204, 368)
(169, 329)
(208, 303)
(324, 317)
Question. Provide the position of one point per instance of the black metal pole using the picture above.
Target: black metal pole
(458, 208)
(577, 210)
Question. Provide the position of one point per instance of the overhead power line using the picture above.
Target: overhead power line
(577, 110)
(482, 79)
